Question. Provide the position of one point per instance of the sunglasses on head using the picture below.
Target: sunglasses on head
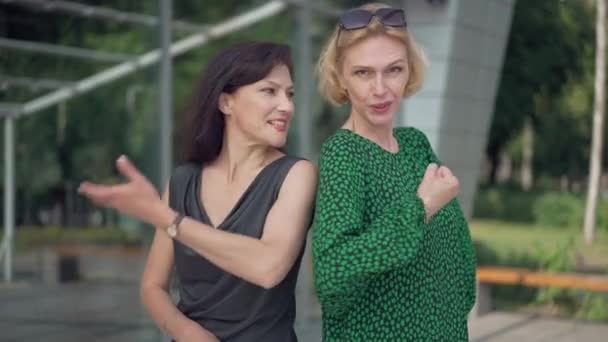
(360, 18)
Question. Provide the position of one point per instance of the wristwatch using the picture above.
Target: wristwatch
(172, 230)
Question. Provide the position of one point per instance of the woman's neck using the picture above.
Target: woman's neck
(381, 135)
(240, 156)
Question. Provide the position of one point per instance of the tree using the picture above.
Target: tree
(545, 59)
(595, 160)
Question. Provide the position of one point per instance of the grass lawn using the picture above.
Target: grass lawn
(518, 241)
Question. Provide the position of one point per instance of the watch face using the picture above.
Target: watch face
(171, 230)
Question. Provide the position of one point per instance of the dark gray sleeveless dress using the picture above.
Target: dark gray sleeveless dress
(231, 308)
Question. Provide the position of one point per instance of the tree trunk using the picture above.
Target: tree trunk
(595, 160)
(69, 202)
(504, 173)
(494, 158)
(527, 155)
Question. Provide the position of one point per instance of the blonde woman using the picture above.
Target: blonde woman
(392, 252)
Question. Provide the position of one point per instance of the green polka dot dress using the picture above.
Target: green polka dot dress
(381, 272)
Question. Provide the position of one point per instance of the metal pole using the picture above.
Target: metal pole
(304, 80)
(164, 96)
(303, 107)
(68, 51)
(9, 196)
(165, 89)
(32, 83)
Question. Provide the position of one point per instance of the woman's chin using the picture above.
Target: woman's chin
(277, 143)
(381, 120)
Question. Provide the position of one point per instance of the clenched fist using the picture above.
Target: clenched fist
(438, 187)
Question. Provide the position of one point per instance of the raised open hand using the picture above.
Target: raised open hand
(137, 198)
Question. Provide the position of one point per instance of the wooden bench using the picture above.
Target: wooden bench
(486, 276)
(61, 264)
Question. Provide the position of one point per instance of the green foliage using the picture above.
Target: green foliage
(602, 215)
(548, 209)
(557, 258)
(593, 306)
(484, 255)
(505, 203)
(559, 210)
(540, 247)
(547, 76)
(516, 244)
(580, 304)
(565, 210)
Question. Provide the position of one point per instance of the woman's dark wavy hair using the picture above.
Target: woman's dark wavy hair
(230, 69)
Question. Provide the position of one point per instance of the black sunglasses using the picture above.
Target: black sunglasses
(359, 18)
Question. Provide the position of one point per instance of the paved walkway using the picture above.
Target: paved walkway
(110, 311)
(85, 311)
(512, 327)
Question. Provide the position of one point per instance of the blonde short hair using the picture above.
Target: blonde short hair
(330, 61)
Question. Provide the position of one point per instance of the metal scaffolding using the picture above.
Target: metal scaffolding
(102, 13)
(126, 68)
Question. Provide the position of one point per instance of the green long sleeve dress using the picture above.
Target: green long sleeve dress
(382, 273)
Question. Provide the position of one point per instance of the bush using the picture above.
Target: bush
(30, 237)
(550, 209)
(505, 204)
(484, 255)
(602, 215)
(594, 306)
(559, 210)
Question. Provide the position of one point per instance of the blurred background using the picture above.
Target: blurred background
(513, 103)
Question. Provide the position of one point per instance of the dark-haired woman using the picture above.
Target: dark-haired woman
(233, 219)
